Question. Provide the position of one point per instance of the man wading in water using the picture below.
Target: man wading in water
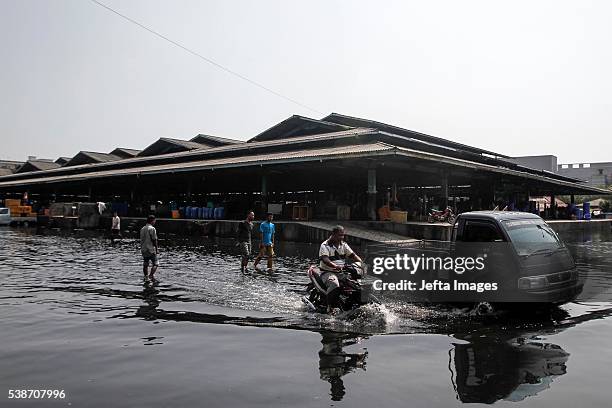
(148, 247)
(266, 248)
(243, 236)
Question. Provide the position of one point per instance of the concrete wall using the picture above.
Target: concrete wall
(297, 232)
(580, 226)
(418, 230)
(285, 231)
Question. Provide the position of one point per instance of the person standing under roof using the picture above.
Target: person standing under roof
(266, 247)
(115, 227)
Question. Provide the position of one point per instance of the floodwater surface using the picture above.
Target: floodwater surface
(77, 315)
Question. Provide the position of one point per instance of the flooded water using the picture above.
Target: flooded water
(77, 316)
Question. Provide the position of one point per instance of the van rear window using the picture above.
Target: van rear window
(4, 211)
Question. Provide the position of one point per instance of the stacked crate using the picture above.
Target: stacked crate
(18, 210)
(13, 205)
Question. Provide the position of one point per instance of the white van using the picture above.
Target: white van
(5, 216)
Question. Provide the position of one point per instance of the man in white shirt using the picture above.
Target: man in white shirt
(148, 247)
(333, 254)
(115, 227)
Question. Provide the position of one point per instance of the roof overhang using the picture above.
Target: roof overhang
(364, 150)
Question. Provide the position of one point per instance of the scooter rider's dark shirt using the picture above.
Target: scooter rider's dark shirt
(245, 229)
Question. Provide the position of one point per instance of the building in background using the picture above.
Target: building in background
(593, 174)
(546, 162)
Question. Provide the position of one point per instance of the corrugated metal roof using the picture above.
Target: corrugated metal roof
(62, 160)
(297, 125)
(166, 144)
(360, 122)
(202, 153)
(252, 147)
(85, 157)
(304, 155)
(214, 140)
(125, 153)
(37, 165)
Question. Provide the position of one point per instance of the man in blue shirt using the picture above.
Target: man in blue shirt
(266, 247)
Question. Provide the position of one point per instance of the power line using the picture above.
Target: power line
(210, 61)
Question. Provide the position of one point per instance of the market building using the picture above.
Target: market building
(338, 167)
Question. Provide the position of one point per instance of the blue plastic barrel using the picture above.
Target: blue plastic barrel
(587, 210)
(206, 212)
(580, 214)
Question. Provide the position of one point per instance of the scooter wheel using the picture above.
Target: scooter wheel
(484, 309)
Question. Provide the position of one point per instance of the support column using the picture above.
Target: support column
(264, 192)
(371, 207)
(444, 189)
(189, 189)
(553, 207)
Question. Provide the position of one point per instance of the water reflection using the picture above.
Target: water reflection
(491, 368)
(150, 294)
(334, 362)
(501, 361)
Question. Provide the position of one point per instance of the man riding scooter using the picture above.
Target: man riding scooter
(333, 255)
